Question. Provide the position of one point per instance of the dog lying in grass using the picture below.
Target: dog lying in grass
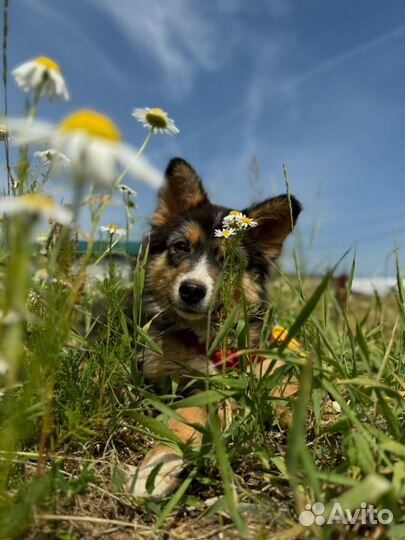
(187, 254)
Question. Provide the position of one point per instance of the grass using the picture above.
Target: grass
(79, 411)
(75, 410)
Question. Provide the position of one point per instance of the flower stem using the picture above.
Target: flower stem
(145, 143)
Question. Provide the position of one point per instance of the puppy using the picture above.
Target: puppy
(185, 263)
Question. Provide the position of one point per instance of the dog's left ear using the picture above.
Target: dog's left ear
(276, 218)
(181, 192)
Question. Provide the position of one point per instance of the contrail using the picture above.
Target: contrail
(294, 81)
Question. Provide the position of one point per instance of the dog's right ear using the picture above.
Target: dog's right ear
(181, 192)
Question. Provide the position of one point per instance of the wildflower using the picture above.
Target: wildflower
(42, 75)
(42, 238)
(246, 222)
(3, 132)
(126, 190)
(41, 275)
(36, 206)
(113, 230)
(157, 120)
(238, 220)
(224, 233)
(93, 143)
(52, 157)
(279, 335)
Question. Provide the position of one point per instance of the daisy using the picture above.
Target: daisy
(52, 157)
(126, 190)
(246, 222)
(224, 233)
(93, 143)
(41, 275)
(42, 75)
(231, 218)
(157, 120)
(238, 220)
(113, 230)
(36, 206)
(42, 238)
(3, 132)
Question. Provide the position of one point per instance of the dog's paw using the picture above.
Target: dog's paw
(162, 470)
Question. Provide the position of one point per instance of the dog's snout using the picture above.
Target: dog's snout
(192, 292)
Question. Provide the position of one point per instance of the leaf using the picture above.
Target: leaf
(224, 331)
(369, 490)
(202, 398)
(309, 306)
(155, 426)
(145, 338)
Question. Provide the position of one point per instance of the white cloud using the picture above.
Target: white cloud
(69, 35)
(179, 35)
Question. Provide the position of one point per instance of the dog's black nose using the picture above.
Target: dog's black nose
(191, 292)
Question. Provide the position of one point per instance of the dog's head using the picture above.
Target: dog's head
(186, 259)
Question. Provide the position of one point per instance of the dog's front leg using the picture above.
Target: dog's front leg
(165, 460)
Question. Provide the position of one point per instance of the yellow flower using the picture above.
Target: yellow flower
(93, 144)
(279, 336)
(36, 206)
(41, 74)
(157, 120)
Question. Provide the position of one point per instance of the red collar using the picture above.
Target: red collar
(217, 358)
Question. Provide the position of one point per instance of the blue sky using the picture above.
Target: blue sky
(317, 85)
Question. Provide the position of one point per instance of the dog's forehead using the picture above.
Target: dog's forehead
(199, 226)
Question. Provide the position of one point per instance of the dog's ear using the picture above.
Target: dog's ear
(181, 192)
(276, 218)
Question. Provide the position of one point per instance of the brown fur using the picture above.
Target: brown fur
(182, 192)
(182, 236)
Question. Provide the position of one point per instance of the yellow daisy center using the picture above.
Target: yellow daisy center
(226, 233)
(157, 118)
(48, 63)
(246, 220)
(113, 228)
(93, 123)
(235, 213)
(38, 202)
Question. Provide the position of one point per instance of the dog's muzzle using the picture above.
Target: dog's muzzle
(192, 292)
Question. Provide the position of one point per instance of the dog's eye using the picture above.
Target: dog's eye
(181, 246)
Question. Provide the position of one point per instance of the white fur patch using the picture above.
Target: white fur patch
(200, 273)
(165, 481)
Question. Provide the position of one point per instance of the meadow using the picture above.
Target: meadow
(75, 411)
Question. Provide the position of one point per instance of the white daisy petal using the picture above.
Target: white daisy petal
(36, 206)
(224, 233)
(113, 230)
(92, 143)
(41, 74)
(52, 157)
(128, 190)
(139, 166)
(157, 120)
